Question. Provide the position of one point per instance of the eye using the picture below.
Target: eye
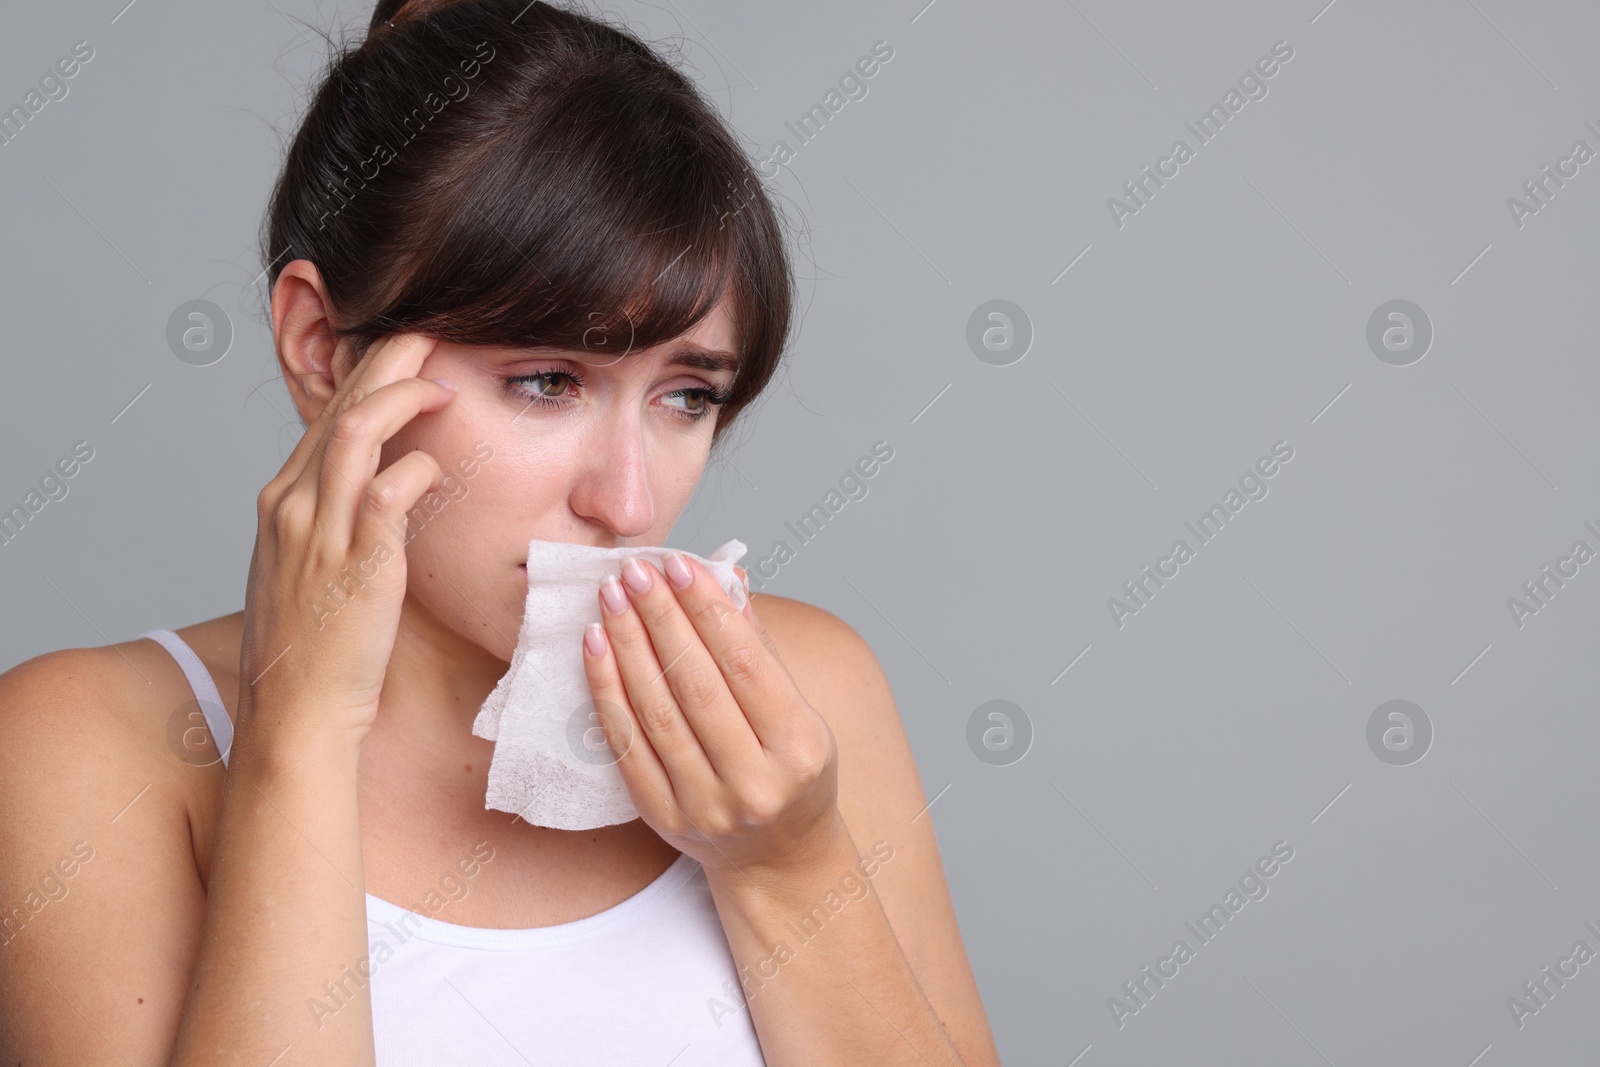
(541, 376)
(554, 389)
(705, 399)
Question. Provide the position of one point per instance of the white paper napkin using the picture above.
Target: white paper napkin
(551, 763)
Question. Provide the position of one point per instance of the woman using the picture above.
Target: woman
(516, 257)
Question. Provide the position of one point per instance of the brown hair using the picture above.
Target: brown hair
(494, 172)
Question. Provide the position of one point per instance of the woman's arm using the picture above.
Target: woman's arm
(877, 971)
(111, 950)
(733, 763)
(286, 932)
(825, 980)
(285, 909)
(100, 902)
(285, 924)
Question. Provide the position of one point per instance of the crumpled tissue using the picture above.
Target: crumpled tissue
(551, 763)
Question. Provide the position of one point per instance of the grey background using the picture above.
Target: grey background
(1228, 314)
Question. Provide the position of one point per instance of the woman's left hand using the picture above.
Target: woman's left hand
(723, 756)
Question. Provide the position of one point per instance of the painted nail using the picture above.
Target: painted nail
(594, 639)
(677, 570)
(634, 573)
(611, 592)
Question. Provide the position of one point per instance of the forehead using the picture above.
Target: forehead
(709, 345)
(715, 331)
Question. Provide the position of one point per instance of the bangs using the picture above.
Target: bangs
(563, 188)
(552, 237)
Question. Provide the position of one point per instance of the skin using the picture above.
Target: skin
(226, 898)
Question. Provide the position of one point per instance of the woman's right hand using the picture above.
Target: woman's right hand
(328, 574)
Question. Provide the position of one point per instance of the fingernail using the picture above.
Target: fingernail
(446, 382)
(635, 575)
(611, 592)
(677, 570)
(594, 639)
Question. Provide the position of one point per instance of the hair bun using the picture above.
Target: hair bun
(385, 12)
(390, 10)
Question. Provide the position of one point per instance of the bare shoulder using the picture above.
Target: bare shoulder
(88, 728)
(832, 666)
(884, 805)
(80, 705)
(106, 900)
(123, 697)
(796, 625)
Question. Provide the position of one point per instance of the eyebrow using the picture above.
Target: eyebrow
(690, 355)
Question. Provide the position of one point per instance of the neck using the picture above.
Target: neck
(435, 684)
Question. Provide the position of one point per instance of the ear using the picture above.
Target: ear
(312, 360)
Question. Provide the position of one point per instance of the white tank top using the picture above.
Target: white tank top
(649, 982)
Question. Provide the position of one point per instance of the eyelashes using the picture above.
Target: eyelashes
(526, 387)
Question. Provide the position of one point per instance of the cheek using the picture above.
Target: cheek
(678, 463)
(455, 533)
(441, 434)
(461, 561)
(476, 527)
(675, 487)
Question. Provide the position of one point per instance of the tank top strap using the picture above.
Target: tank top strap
(205, 690)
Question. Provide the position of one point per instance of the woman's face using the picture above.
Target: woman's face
(552, 444)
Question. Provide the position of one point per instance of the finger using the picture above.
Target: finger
(356, 440)
(313, 442)
(381, 518)
(635, 757)
(692, 676)
(650, 696)
(389, 359)
(749, 612)
(743, 652)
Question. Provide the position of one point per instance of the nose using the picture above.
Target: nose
(613, 479)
